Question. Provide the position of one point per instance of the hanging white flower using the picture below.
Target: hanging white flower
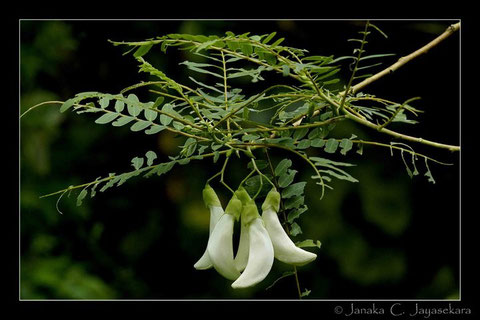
(284, 248)
(220, 245)
(260, 250)
(212, 202)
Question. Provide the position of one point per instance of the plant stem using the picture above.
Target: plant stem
(403, 60)
(113, 176)
(225, 90)
(38, 105)
(400, 135)
(357, 61)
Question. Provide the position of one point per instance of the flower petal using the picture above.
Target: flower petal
(260, 258)
(204, 262)
(241, 258)
(284, 248)
(220, 248)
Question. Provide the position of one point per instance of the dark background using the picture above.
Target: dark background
(387, 237)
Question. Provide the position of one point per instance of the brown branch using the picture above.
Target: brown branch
(403, 60)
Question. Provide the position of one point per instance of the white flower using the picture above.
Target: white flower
(262, 238)
(284, 248)
(241, 258)
(220, 245)
(216, 211)
(260, 254)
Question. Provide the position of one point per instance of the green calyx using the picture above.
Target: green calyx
(210, 198)
(250, 211)
(243, 195)
(234, 207)
(272, 201)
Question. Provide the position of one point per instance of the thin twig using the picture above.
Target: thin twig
(403, 60)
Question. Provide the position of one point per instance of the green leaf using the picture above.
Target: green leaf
(285, 70)
(107, 117)
(276, 43)
(269, 37)
(119, 106)
(67, 104)
(189, 147)
(429, 173)
(133, 105)
(178, 125)
(246, 48)
(294, 202)
(142, 50)
(287, 178)
(309, 243)
(160, 169)
(199, 67)
(137, 162)
(331, 145)
(150, 114)
(295, 213)
(378, 29)
(346, 145)
(317, 143)
(329, 163)
(304, 144)
(216, 155)
(154, 129)
(295, 189)
(122, 121)
(373, 56)
(164, 119)
(300, 133)
(92, 190)
(158, 102)
(140, 125)
(261, 164)
(340, 174)
(104, 102)
(306, 293)
(282, 167)
(81, 196)
(285, 141)
(233, 45)
(110, 183)
(250, 137)
(151, 156)
(295, 229)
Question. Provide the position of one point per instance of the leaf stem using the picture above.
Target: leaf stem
(357, 61)
(113, 176)
(38, 105)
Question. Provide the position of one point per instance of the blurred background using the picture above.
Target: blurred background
(387, 237)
